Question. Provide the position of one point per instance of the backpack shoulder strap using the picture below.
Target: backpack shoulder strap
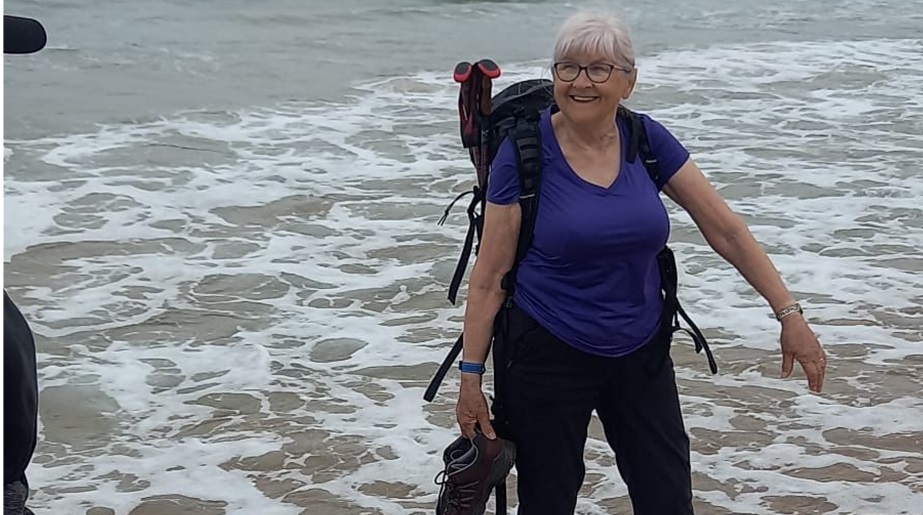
(639, 144)
(527, 141)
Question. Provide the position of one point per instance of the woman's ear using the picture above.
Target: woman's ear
(630, 86)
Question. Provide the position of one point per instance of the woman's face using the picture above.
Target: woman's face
(589, 86)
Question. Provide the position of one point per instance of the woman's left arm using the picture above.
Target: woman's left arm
(728, 234)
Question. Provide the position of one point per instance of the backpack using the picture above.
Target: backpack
(515, 114)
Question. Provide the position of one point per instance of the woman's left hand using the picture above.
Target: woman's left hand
(799, 343)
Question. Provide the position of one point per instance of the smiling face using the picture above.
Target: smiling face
(589, 85)
(594, 67)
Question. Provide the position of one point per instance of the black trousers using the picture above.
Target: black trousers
(546, 392)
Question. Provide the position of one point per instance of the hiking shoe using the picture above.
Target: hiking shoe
(472, 469)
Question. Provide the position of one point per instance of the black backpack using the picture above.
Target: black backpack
(515, 114)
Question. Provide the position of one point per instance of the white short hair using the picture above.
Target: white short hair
(596, 33)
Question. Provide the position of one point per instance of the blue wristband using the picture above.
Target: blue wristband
(471, 368)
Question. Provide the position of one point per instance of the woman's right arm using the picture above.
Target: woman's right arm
(485, 296)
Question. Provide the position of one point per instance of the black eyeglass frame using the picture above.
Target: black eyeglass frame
(586, 71)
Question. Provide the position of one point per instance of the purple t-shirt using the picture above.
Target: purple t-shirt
(590, 276)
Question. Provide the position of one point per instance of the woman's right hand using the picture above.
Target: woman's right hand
(471, 410)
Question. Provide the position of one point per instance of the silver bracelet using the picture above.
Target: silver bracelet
(789, 310)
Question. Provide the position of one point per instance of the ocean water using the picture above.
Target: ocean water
(221, 221)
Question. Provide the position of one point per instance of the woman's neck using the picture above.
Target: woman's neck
(596, 135)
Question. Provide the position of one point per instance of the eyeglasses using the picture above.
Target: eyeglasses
(598, 73)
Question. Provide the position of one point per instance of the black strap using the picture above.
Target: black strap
(500, 492)
(434, 384)
(697, 337)
(528, 144)
(636, 128)
(475, 228)
(669, 283)
(640, 145)
(445, 214)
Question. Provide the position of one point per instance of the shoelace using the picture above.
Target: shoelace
(459, 497)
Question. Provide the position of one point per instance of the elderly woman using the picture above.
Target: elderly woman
(585, 329)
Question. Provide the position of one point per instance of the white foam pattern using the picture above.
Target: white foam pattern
(274, 279)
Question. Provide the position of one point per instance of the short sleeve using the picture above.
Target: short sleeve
(503, 181)
(670, 153)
